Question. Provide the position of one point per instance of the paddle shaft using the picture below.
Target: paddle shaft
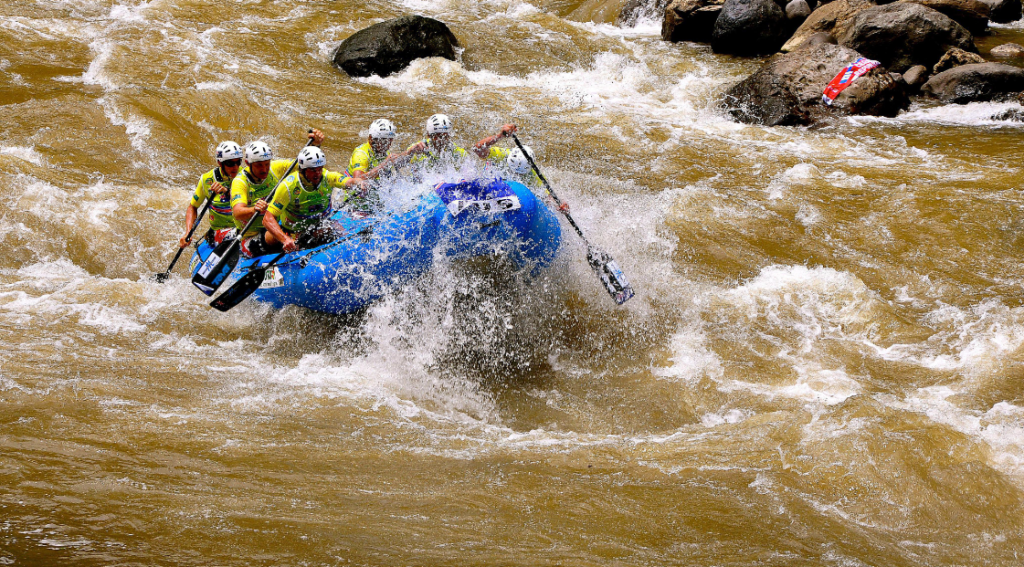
(195, 225)
(551, 191)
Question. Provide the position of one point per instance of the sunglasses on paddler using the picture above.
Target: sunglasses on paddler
(231, 163)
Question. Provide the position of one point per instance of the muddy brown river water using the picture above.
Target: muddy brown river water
(823, 366)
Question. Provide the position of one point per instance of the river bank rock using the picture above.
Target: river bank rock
(1004, 11)
(977, 82)
(635, 10)
(831, 18)
(954, 58)
(797, 11)
(787, 90)
(915, 77)
(390, 46)
(903, 35)
(971, 14)
(749, 27)
(1008, 51)
(690, 20)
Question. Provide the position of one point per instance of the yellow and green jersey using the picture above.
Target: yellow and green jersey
(498, 157)
(245, 189)
(453, 154)
(299, 206)
(220, 205)
(364, 159)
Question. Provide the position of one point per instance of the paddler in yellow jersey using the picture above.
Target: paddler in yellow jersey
(438, 148)
(373, 158)
(302, 202)
(252, 188)
(514, 166)
(215, 186)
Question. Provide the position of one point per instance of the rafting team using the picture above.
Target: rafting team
(303, 199)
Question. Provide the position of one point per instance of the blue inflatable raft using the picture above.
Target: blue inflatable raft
(375, 253)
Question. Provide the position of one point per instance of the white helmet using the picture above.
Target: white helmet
(311, 156)
(228, 150)
(517, 162)
(439, 124)
(258, 151)
(382, 128)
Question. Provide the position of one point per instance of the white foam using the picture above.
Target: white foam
(28, 154)
(972, 114)
(1001, 427)
(213, 86)
(691, 358)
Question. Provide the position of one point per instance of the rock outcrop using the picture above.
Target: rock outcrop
(388, 47)
(749, 27)
(976, 83)
(971, 14)
(787, 90)
(954, 58)
(690, 20)
(1004, 11)
(903, 35)
(831, 18)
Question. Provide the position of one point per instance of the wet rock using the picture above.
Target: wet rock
(954, 58)
(831, 18)
(1011, 115)
(820, 38)
(976, 82)
(915, 77)
(787, 90)
(903, 35)
(388, 47)
(749, 27)
(636, 10)
(1004, 11)
(797, 10)
(690, 20)
(1008, 50)
(971, 14)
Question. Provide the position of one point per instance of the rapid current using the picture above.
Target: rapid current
(823, 366)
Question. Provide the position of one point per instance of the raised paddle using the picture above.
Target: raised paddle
(224, 257)
(614, 281)
(162, 277)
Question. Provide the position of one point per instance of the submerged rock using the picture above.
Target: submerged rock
(390, 46)
(971, 14)
(954, 58)
(787, 90)
(690, 20)
(978, 82)
(749, 27)
(1008, 50)
(904, 35)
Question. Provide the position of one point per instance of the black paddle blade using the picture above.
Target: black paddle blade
(217, 266)
(161, 277)
(615, 282)
(241, 289)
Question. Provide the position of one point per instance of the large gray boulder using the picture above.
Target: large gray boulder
(690, 20)
(976, 83)
(971, 14)
(787, 90)
(831, 18)
(903, 35)
(1004, 11)
(749, 27)
(389, 47)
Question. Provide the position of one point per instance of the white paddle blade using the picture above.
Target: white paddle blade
(614, 281)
